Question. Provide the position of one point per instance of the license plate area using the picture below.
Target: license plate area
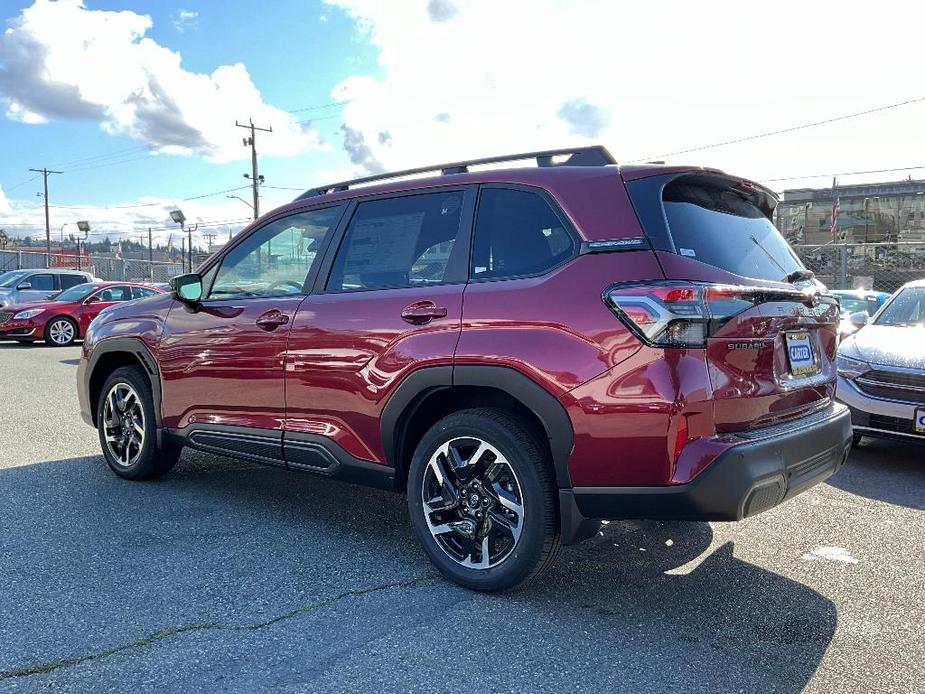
(800, 356)
(919, 422)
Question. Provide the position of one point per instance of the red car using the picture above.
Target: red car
(65, 317)
(523, 352)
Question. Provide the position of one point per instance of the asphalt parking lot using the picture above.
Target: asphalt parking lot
(227, 576)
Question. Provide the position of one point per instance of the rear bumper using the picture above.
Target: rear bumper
(753, 476)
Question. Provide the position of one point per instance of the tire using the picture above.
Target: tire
(133, 422)
(520, 545)
(61, 331)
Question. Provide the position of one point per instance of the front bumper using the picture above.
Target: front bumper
(18, 328)
(880, 417)
(767, 468)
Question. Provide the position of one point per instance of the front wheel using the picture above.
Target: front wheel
(60, 332)
(482, 499)
(128, 429)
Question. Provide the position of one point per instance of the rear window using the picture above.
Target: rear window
(68, 281)
(718, 221)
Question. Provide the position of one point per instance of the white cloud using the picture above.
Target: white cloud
(459, 80)
(59, 60)
(183, 20)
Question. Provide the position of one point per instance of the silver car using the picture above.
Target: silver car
(23, 286)
(881, 369)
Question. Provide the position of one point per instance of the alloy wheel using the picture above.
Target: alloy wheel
(123, 424)
(472, 502)
(61, 332)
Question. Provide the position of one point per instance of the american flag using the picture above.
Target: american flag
(835, 208)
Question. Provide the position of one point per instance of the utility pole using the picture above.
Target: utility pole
(190, 230)
(251, 142)
(209, 236)
(150, 257)
(44, 171)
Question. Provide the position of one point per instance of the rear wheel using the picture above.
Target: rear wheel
(482, 500)
(60, 332)
(127, 427)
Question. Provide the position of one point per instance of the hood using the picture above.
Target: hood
(890, 345)
(26, 305)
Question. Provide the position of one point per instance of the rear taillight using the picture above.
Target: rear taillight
(685, 314)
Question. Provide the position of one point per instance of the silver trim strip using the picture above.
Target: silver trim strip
(890, 432)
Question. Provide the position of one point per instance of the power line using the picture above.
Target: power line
(319, 107)
(781, 131)
(144, 204)
(843, 173)
(107, 155)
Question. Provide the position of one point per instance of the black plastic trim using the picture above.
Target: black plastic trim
(305, 451)
(747, 479)
(257, 445)
(136, 348)
(404, 402)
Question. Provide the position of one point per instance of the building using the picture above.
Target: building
(868, 213)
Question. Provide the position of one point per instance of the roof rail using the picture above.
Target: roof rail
(594, 155)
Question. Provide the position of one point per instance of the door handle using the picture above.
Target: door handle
(271, 320)
(422, 312)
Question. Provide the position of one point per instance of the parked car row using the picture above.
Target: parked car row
(63, 316)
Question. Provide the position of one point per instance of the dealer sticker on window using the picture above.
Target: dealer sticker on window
(800, 354)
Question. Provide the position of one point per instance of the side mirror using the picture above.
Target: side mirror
(25, 285)
(187, 288)
(92, 299)
(859, 319)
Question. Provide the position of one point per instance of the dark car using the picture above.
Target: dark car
(522, 351)
(65, 316)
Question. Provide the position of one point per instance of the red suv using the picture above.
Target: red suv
(522, 351)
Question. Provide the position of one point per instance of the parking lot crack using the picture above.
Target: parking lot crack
(162, 634)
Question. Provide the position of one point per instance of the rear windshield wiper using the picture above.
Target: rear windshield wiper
(799, 276)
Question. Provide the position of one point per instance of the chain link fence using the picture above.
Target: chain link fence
(879, 266)
(108, 268)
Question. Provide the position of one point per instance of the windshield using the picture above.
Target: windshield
(722, 226)
(8, 279)
(906, 308)
(849, 306)
(75, 293)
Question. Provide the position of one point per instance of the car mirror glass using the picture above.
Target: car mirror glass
(859, 319)
(25, 285)
(187, 288)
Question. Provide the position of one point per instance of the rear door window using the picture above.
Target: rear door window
(404, 241)
(68, 281)
(716, 220)
(517, 234)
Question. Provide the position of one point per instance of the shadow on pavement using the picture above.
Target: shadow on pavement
(91, 563)
(886, 470)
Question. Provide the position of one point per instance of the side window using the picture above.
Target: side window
(139, 292)
(41, 282)
(516, 234)
(276, 259)
(115, 294)
(398, 242)
(68, 281)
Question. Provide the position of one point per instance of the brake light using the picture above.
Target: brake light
(685, 314)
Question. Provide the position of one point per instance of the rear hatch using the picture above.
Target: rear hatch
(767, 328)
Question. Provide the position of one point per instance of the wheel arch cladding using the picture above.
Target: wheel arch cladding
(430, 393)
(112, 354)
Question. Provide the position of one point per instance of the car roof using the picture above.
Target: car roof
(914, 283)
(54, 271)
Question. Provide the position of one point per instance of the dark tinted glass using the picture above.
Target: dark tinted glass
(68, 281)
(516, 234)
(138, 292)
(398, 242)
(721, 226)
(41, 282)
(117, 293)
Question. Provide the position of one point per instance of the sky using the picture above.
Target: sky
(136, 102)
